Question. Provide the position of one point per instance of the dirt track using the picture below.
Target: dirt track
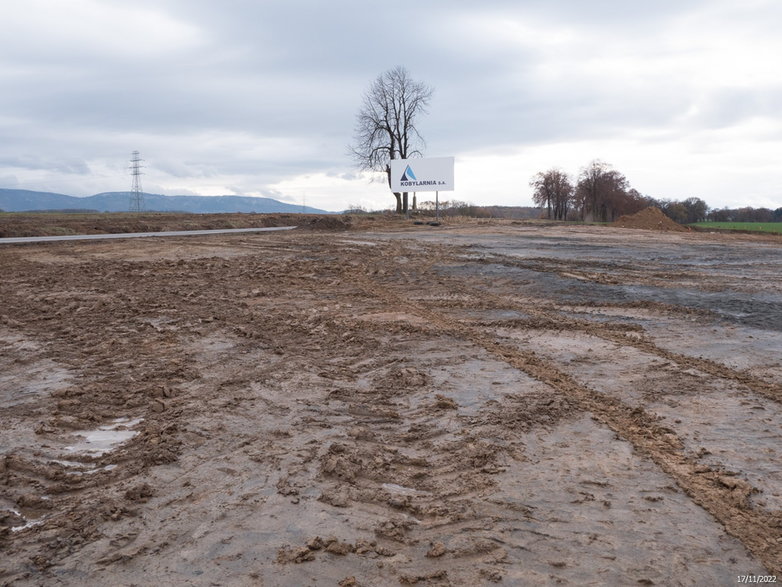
(452, 406)
(27, 224)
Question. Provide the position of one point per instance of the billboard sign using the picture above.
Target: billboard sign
(422, 175)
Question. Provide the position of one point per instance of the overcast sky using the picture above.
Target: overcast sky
(259, 97)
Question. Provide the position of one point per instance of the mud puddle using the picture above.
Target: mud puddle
(757, 309)
(104, 439)
(25, 375)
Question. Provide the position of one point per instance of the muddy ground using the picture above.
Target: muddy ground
(461, 405)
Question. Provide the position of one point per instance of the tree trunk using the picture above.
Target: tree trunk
(397, 195)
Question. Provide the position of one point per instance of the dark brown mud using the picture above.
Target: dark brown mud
(460, 407)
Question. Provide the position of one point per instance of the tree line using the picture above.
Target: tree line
(600, 194)
(603, 194)
(746, 214)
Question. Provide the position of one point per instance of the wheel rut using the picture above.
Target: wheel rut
(724, 498)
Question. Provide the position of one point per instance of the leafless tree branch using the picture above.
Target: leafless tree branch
(386, 124)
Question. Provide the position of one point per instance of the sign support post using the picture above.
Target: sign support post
(437, 206)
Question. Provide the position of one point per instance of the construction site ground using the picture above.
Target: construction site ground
(466, 404)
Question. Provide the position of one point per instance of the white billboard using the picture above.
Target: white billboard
(422, 175)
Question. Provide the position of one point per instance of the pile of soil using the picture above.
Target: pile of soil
(330, 223)
(61, 223)
(650, 218)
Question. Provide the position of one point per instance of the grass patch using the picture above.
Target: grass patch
(774, 227)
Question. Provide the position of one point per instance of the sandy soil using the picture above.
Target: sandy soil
(461, 405)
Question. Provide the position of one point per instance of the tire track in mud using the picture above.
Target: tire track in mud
(767, 389)
(725, 498)
(621, 334)
(585, 269)
(627, 336)
(309, 299)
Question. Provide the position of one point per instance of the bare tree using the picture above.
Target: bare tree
(386, 125)
(600, 192)
(697, 209)
(634, 202)
(553, 191)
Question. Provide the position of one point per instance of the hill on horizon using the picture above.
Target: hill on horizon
(33, 201)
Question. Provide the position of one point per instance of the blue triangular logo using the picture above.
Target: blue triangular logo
(408, 175)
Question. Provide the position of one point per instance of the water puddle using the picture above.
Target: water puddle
(27, 523)
(400, 490)
(77, 468)
(105, 438)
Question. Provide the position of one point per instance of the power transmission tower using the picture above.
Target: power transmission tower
(136, 195)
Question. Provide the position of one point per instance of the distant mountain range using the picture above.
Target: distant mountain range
(30, 201)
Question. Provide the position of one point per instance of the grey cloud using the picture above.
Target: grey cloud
(63, 164)
(261, 91)
(730, 106)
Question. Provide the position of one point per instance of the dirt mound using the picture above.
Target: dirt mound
(650, 218)
(331, 223)
(57, 224)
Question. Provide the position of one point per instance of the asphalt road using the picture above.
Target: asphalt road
(82, 237)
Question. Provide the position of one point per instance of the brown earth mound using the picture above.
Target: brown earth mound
(650, 218)
(60, 223)
(328, 223)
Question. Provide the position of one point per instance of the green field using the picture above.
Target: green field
(775, 227)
